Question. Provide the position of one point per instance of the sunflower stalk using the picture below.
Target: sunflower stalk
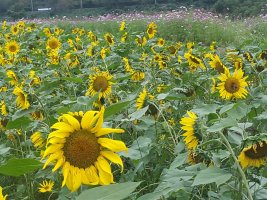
(241, 172)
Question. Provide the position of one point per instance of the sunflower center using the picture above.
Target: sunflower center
(81, 149)
(100, 83)
(12, 48)
(172, 49)
(232, 85)
(109, 39)
(150, 31)
(219, 67)
(259, 152)
(53, 44)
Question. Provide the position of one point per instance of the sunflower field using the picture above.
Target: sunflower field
(91, 115)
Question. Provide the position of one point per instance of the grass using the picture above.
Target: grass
(225, 32)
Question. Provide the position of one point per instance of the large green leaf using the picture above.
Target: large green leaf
(211, 175)
(138, 114)
(221, 124)
(18, 167)
(115, 108)
(18, 123)
(109, 192)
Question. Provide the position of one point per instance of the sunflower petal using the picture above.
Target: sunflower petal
(87, 119)
(113, 157)
(105, 174)
(64, 127)
(92, 175)
(72, 121)
(65, 172)
(113, 145)
(100, 121)
(105, 131)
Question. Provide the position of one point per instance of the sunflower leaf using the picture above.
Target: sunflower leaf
(18, 167)
(138, 114)
(211, 175)
(109, 192)
(18, 123)
(115, 108)
(221, 124)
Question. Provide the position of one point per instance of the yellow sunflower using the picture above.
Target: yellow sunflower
(160, 42)
(78, 146)
(151, 30)
(21, 101)
(3, 108)
(11, 74)
(12, 47)
(122, 26)
(53, 43)
(194, 62)
(14, 29)
(232, 86)
(191, 138)
(37, 140)
(109, 38)
(37, 115)
(254, 155)
(216, 63)
(142, 99)
(2, 197)
(138, 76)
(141, 41)
(100, 82)
(46, 186)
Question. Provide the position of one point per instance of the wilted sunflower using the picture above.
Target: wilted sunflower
(21, 101)
(142, 99)
(2, 197)
(78, 147)
(191, 138)
(46, 186)
(53, 43)
(100, 82)
(254, 155)
(37, 115)
(12, 47)
(109, 38)
(232, 86)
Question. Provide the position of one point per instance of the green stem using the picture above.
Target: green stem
(241, 172)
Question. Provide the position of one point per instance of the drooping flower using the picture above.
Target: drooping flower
(254, 155)
(46, 186)
(37, 140)
(216, 63)
(142, 99)
(3, 108)
(21, 101)
(109, 38)
(191, 138)
(78, 146)
(232, 86)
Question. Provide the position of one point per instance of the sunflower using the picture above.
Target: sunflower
(215, 62)
(232, 86)
(78, 147)
(142, 99)
(194, 62)
(253, 155)
(21, 100)
(109, 38)
(122, 26)
(124, 37)
(138, 76)
(46, 186)
(151, 30)
(37, 115)
(141, 41)
(3, 108)
(37, 140)
(160, 42)
(14, 29)
(191, 138)
(2, 197)
(100, 82)
(53, 43)
(12, 47)
(11, 74)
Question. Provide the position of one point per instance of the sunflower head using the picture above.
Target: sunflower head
(12, 47)
(53, 43)
(188, 125)
(78, 146)
(232, 86)
(100, 82)
(141, 41)
(22, 98)
(110, 40)
(46, 186)
(143, 99)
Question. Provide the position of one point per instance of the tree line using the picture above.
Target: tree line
(236, 7)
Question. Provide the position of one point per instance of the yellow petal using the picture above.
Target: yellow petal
(52, 149)
(113, 145)
(100, 121)
(65, 172)
(64, 127)
(92, 175)
(59, 134)
(56, 140)
(85, 178)
(113, 157)
(105, 175)
(105, 131)
(87, 119)
(52, 157)
(59, 163)
(72, 121)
